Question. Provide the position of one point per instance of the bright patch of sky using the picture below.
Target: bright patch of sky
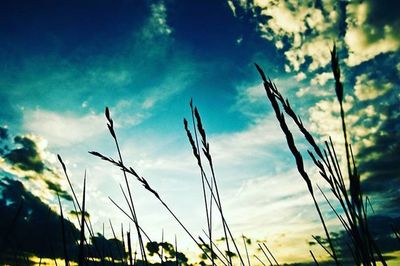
(63, 62)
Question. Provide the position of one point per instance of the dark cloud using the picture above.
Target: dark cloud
(3, 133)
(3, 140)
(381, 162)
(29, 225)
(87, 215)
(57, 188)
(27, 156)
(36, 229)
(381, 228)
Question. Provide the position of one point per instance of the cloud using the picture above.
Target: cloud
(63, 129)
(372, 126)
(26, 158)
(3, 139)
(37, 228)
(159, 18)
(312, 90)
(253, 94)
(317, 86)
(128, 113)
(321, 78)
(369, 88)
(280, 204)
(372, 29)
(380, 227)
(3, 133)
(303, 30)
(253, 141)
(29, 161)
(35, 222)
(251, 99)
(378, 163)
(362, 124)
(155, 33)
(300, 76)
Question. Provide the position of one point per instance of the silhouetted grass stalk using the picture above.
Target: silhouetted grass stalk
(214, 196)
(82, 233)
(110, 125)
(247, 253)
(141, 180)
(270, 88)
(355, 222)
(64, 240)
(265, 254)
(203, 177)
(255, 256)
(78, 209)
(116, 244)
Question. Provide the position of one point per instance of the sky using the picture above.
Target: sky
(63, 62)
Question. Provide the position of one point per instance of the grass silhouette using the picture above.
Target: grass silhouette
(363, 247)
(350, 206)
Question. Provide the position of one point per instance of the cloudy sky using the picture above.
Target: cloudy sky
(63, 62)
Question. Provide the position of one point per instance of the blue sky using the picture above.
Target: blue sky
(62, 62)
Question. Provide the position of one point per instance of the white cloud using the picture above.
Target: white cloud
(309, 30)
(66, 129)
(63, 129)
(128, 113)
(312, 90)
(248, 144)
(157, 22)
(367, 88)
(282, 206)
(321, 78)
(253, 94)
(317, 87)
(301, 76)
(367, 38)
(232, 7)
(325, 121)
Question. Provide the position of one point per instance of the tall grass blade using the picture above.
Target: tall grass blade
(128, 238)
(265, 254)
(314, 259)
(270, 88)
(82, 232)
(270, 253)
(63, 233)
(255, 256)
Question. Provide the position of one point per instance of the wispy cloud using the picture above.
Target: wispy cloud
(63, 129)
(157, 22)
(256, 142)
(281, 206)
